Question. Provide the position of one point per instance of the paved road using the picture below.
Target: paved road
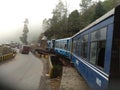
(22, 73)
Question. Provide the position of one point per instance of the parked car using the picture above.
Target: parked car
(24, 49)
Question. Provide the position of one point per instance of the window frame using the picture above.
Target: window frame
(97, 41)
(82, 52)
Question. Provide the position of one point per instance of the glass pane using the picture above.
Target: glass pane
(99, 34)
(78, 48)
(57, 44)
(93, 52)
(103, 32)
(101, 53)
(74, 45)
(85, 38)
(84, 46)
(60, 44)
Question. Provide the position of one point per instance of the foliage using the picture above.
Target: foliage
(87, 17)
(99, 11)
(58, 23)
(85, 4)
(62, 25)
(73, 22)
(45, 24)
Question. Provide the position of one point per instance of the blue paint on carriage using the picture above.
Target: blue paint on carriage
(108, 48)
(62, 46)
(63, 52)
(96, 77)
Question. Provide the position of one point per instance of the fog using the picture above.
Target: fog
(14, 12)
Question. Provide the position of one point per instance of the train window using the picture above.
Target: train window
(74, 45)
(93, 52)
(99, 34)
(56, 44)
(84, 46)
(97, 48)
(61, 43)
(66, 46)
(101, 53)
(78, 47)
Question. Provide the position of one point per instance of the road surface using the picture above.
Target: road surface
(22, 73)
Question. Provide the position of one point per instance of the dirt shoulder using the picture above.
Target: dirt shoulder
(71, 80)
(46, 83)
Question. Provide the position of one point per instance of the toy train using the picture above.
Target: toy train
(95, 51)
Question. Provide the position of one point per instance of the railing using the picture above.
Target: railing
(7, 56)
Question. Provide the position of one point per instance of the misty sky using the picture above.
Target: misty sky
(14, 12)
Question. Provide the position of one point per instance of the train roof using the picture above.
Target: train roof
(64, 38)
(105, 16)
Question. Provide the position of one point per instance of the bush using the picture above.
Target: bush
(57, 71)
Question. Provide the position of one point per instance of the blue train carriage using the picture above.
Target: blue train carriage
(48, 45)
(96, 52)
(51, 45)
(62, 47)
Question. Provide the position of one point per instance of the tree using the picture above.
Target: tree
(61, 26)
(109, 4)
(58, 22)
(23, 39)
(73, 22)
(45, 24)
(87, 12)
(117, 2)
(85, 4)
(59, 12)
(99, 11)
(87, 17)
